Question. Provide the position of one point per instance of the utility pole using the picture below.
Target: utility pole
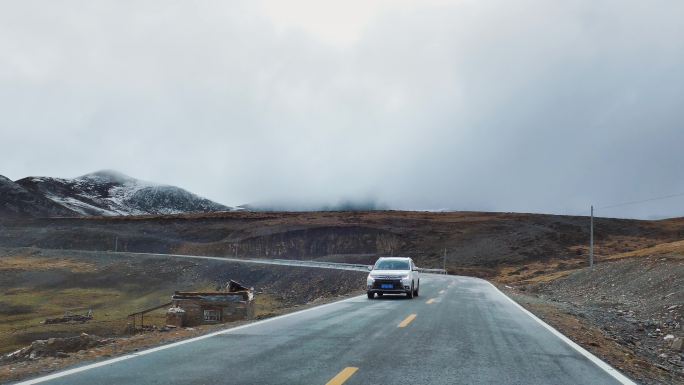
(591, 239)
(444, 260)
(116, 244)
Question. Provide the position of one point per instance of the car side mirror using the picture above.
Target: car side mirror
(370, 268)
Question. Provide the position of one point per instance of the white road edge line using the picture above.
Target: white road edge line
(597, 361)
(174, 344)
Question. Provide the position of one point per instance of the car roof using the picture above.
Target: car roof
(394, 258)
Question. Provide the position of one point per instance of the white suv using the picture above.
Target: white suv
(393, 276)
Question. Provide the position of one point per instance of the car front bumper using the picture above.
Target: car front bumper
(388, 286)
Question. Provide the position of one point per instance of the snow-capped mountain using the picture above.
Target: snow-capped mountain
(16, 201)
(111, 193)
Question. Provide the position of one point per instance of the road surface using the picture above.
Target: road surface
(458, 331)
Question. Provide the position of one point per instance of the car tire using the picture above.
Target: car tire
(410, 293)
(371, 295)
(415, 293)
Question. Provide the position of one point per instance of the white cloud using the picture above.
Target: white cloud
(532, 106)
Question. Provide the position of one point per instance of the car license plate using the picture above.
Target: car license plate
(386, 286)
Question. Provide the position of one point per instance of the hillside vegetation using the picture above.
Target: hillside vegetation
(40, 284)
(480, 244)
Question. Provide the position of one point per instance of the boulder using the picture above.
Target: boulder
(677, 344)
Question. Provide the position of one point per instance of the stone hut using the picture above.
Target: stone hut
(198, 308)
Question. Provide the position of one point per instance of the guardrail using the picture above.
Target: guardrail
(346, 266)
(286, 262)
(336, 265)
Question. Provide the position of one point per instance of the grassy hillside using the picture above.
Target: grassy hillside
(479, 244)
(40, 284)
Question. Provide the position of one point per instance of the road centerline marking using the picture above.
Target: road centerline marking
(407, 321)
(430, 301)
(342, 376)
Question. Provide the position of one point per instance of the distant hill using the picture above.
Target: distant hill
(102, 193)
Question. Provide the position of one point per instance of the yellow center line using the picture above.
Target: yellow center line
(407, 321)
(342, 376)
(431, 300)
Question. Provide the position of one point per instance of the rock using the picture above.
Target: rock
(677, 344)
(57, 347)
(668, 337)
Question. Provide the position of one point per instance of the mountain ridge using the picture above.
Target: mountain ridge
(16, 201)
(100, 193)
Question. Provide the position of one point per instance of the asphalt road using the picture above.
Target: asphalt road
(458, 331)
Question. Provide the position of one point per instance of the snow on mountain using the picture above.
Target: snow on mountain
(110, 193)
(16, 201)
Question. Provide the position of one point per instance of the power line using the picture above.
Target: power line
(591, 229)
(640, 201)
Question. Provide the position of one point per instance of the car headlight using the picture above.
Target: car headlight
(404, 277)
(370, 280)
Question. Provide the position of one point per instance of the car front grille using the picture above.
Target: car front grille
(396, 284)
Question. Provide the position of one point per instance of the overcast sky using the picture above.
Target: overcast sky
(532, 106)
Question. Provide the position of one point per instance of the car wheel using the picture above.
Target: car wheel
(371, 295)
(410, 293)
(415, 293)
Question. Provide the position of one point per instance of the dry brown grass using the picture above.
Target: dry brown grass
(547, 271)
(537, 272)
(669, 249)
(31, 263)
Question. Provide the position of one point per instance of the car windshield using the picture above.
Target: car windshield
(392, 265)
